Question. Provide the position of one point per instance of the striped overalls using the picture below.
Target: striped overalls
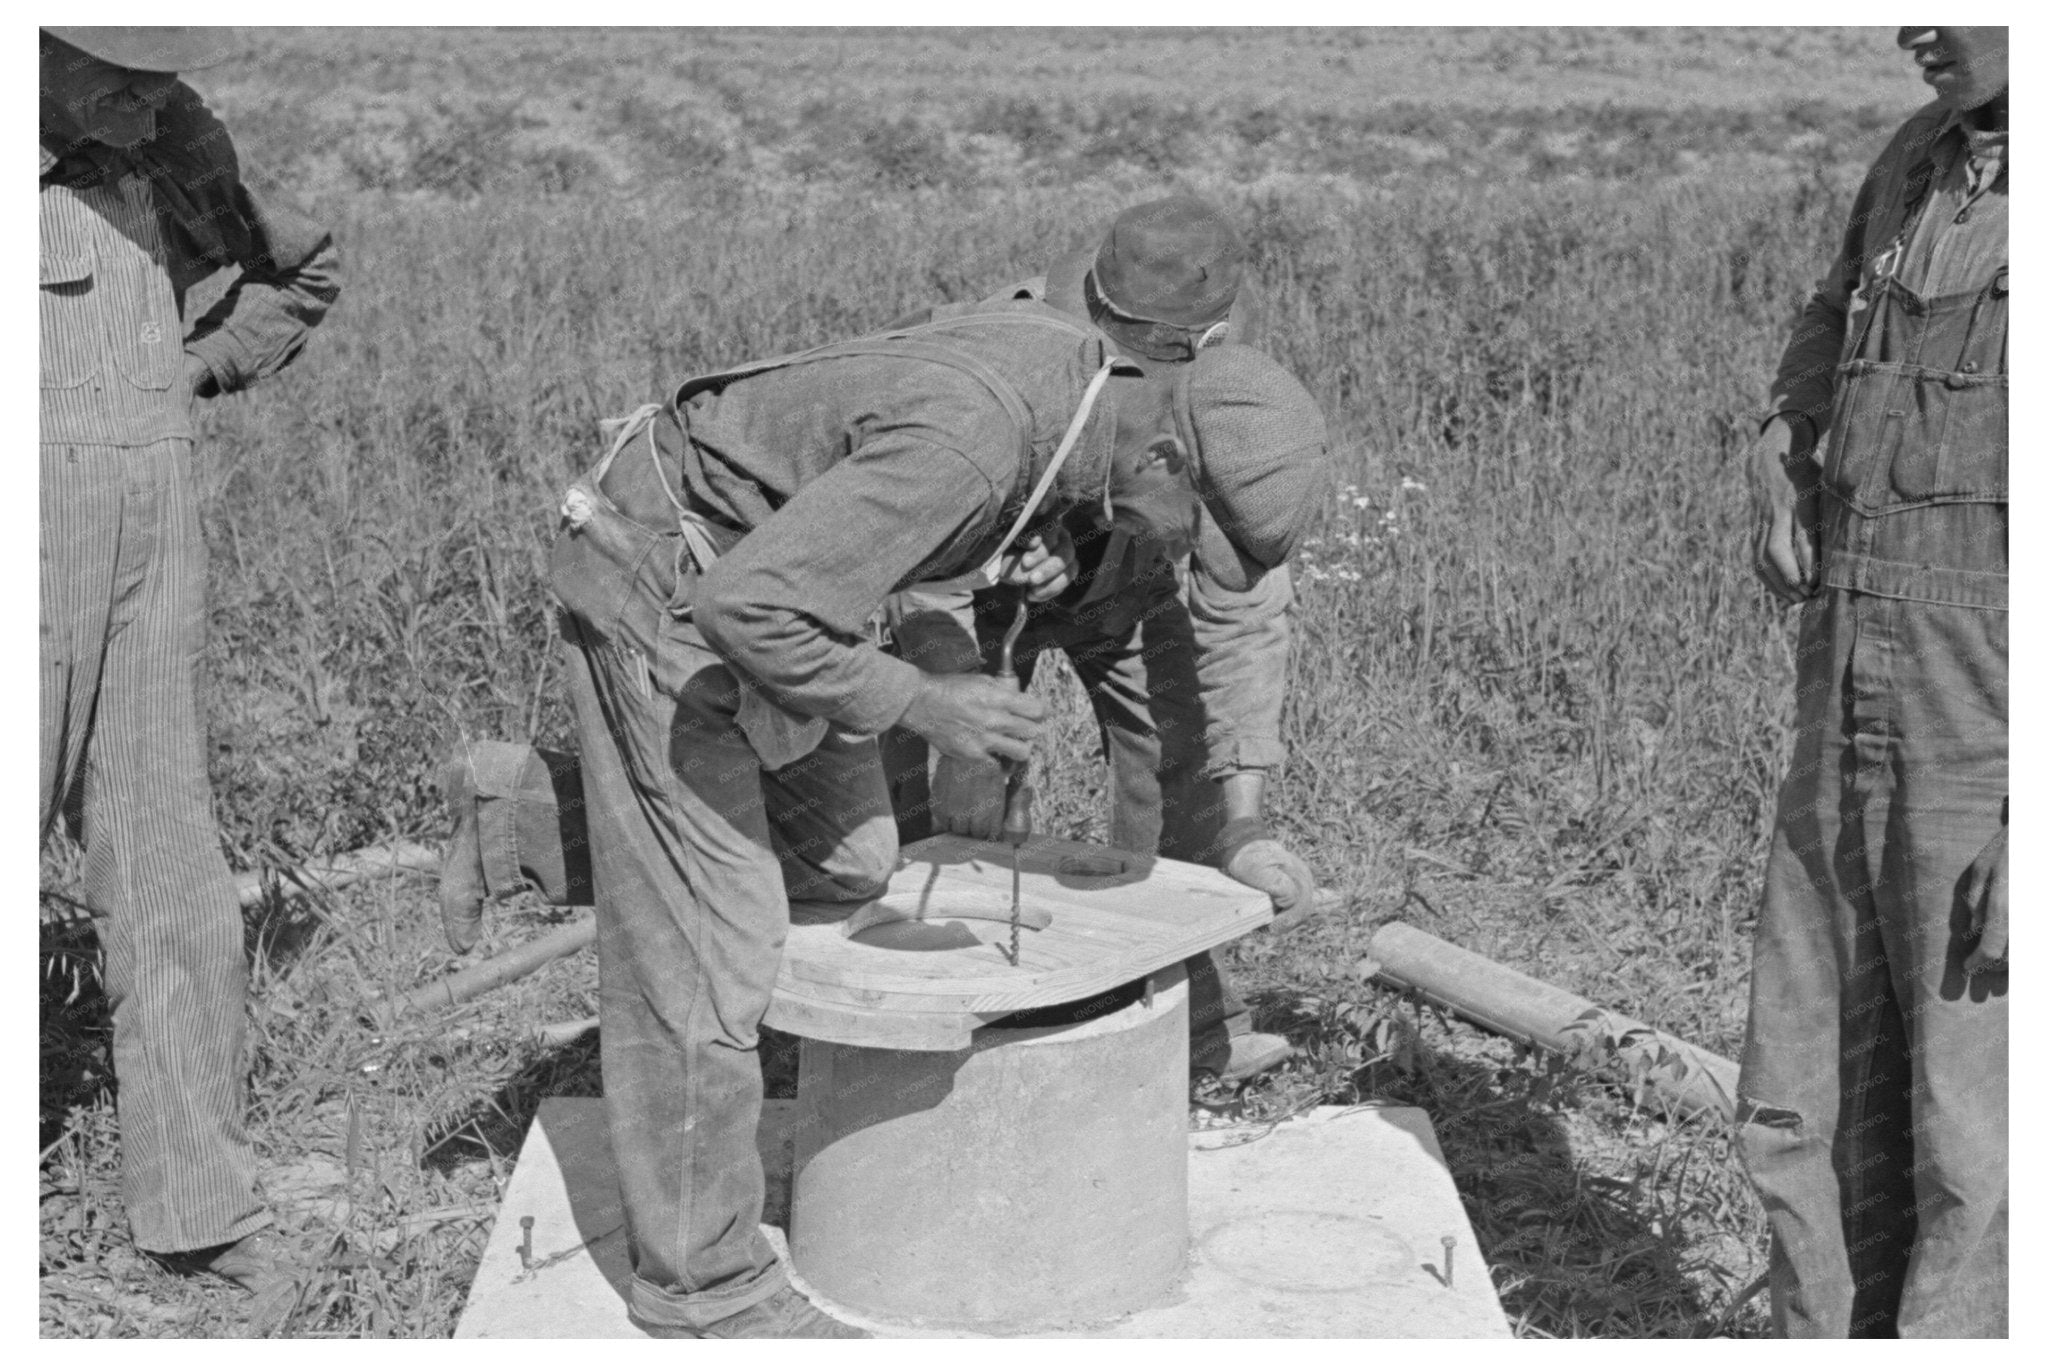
(123, 627)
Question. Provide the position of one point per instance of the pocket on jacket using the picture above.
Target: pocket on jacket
(70, 344)
(145, 335)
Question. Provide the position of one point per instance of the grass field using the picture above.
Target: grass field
(1538, 280)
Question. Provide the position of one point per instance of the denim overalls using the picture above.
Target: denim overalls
(1874, 1080)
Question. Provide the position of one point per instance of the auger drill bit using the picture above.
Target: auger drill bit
(1016, 792)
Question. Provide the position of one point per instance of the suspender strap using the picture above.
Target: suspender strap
(1059, 457)
(1068, 441)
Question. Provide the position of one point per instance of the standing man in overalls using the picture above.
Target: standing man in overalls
(718, 573)
(1873, 1093)
(141, 197)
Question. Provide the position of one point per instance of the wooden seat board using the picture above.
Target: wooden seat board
(1103, 932)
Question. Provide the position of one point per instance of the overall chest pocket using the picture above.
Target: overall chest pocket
(141, 319)
(1906, 436)
(68, 335)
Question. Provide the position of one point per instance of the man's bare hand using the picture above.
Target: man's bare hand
(1784, 489)
(967, 798)
(976, 717)
(1984, 893)
(1043, 570)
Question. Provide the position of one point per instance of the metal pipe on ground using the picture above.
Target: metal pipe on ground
(389, 859)
(1680, 1078)
(491, 973)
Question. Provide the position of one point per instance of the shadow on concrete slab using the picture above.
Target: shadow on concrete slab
(1559, 1180)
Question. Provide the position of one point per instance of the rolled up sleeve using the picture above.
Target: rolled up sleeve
(290, 277)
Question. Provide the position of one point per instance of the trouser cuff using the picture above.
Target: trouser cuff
(169, 1242)
(658, 1307)
(530, 822)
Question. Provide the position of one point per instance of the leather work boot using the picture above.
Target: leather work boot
(1242, 1057)
(462, 864)
(785, 1313)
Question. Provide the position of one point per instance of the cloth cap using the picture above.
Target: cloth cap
(1261, 459)
(140, 48)
(1175, 261)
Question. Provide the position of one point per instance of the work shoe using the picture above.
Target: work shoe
(462, 863)
(258, 1263)
(1245, 1056)
(785, 1313)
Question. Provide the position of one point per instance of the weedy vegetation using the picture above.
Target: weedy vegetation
(1538, 706)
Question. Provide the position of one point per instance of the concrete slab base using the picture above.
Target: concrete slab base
(1327, 1225)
